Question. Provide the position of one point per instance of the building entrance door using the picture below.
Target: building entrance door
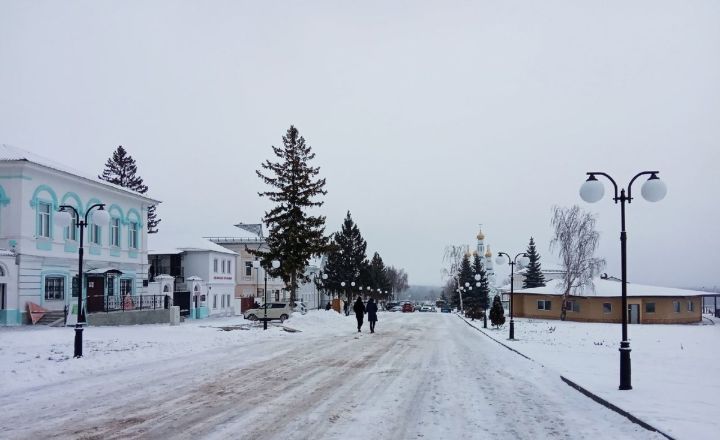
(634, 313)
(95, 294)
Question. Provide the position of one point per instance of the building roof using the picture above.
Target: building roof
(612, 288)
(167, 244)
(9, 153)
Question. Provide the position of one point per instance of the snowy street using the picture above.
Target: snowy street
(420, 376)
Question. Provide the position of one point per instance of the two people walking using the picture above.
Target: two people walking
(360, 309)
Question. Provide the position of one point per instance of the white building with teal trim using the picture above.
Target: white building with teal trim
(39, 260)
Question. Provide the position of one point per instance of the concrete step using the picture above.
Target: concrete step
(51, 317)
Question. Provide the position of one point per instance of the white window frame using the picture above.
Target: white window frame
(248, 268)
(133, 235)
(95, 234)
(215, 265)
(71, 231)
(115, 232)
(676, 306)
(544, 303)
(690, 306)
(44, 220)
(215, 301)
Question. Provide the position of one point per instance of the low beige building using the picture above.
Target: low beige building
(646, 304)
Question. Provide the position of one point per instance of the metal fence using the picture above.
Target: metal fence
(116, 303)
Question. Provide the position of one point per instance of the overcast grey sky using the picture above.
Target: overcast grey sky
(427, 117)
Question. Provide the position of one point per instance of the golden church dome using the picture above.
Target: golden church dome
(488, 253)
(481, 236)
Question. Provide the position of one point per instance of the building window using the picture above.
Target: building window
(248, 268)
(71, 232)
(215, 300)
(222, 299)
(573, 306)
(111, 285)
(277, 295)
(215, 265)
(115, 232)
(691, 306)
(75, 286)
(95, 233)
(649, 307)
(227, 301)
(126, 287)
(133, 240)
(607, 308)
(544, 305)
(229, 266)
(676, 306)
(54, 288)
(260, 292)
(43, 220)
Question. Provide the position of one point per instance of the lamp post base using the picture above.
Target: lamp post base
(625, 366)
(484, 320)
(265, 320)
(512, 329)
(78, 340)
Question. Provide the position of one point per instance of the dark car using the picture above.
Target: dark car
(445, 309)
(407, 307)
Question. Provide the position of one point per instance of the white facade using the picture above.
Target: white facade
(32, 189)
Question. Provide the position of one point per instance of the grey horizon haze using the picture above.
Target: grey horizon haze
(427, 118)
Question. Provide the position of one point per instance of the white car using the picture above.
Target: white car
(426, 309)
(279, 311)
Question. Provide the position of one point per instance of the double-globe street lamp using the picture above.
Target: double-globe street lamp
(63, 218)
(524, 261)
(319, 281)
(653, 190)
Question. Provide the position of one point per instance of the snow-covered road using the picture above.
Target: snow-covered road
(422, 375)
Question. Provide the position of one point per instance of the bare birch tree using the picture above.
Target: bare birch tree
(452, 258)
(576, 240)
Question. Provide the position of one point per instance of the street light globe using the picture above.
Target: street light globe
(352, 283)
(342, 284)
(592, 190)
(467, 284)
(499, 260)
(101, 217)
(477, 284)
(256, 264)
(477, 277)
(324, 276)
(63, 219)
(654, 189)
(275, 264)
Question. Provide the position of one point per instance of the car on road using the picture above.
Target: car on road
(408, 308)
(397, 309)
(445, 309)
(426, 309)
(279, 310)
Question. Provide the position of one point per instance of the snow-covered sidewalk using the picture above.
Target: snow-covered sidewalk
(675, 368)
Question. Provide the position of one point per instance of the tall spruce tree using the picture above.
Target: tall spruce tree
(465, 276)
(294, 235)
(533, 275)
(483, 290)
(121, 170)
(346, 258)
(378, 277)
(497, 312)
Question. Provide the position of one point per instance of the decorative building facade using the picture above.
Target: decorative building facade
(39, 258)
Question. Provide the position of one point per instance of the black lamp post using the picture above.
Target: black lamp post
(653, 190)
(513, 262)
(62, 217)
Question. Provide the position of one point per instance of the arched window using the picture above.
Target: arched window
(2, 271)
(166, 288)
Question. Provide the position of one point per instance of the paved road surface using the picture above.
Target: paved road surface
(423, 375)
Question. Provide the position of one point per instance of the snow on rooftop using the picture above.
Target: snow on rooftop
(611, 288)
(165, 244)
(9, 153)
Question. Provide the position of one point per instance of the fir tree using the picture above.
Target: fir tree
(533, 275)
(465, 276)
(346, 259)
(294, 235)
(497, 312)
(121, 170)
(479, 299)
(378, 276)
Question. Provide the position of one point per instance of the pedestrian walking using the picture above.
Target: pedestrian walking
(327, 307)
(371, 310)
(359, 309)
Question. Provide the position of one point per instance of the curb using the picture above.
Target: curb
(580, 389)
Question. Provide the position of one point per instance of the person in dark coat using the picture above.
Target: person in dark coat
(327, 307)
(371, 310)
(359, 309)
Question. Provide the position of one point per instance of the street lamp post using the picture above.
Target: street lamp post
(653, 190)
(275, 264)
(342, 284)
(63, 218)
(478, 284)
(513, 261)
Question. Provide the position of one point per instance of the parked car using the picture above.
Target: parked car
(408, 308)
(279, 311)
(446, 309)
(397, 309)
(425, 309)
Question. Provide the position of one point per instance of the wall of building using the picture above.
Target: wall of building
(592, 309)
(25, 185)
